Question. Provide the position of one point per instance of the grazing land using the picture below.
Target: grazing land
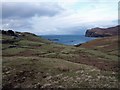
(30, 61)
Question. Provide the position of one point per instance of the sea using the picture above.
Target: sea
(68, 39)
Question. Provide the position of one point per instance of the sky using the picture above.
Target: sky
(58, 17)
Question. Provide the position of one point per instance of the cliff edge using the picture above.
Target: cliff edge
(103, 32)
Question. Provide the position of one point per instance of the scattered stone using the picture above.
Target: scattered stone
(60, 87)
(77, 72)
(46, 85)
(23, 78)
(8, 72)
(49, 77)
(78, 78)
(38, 85)
(59, 75)
(82, 71)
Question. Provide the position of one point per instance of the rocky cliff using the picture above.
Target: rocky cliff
(103, 32)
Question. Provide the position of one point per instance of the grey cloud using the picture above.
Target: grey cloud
(16, 24)
(18, 15)
(26, 10)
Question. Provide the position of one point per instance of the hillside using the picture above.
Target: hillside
(106, 44)
(32, 62)
(103, 32)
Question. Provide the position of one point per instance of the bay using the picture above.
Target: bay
(68, 39)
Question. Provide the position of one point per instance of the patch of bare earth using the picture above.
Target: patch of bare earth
(99, 63)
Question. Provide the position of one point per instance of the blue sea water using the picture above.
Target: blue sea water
(68, 39)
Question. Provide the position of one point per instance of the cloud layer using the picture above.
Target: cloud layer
(59, 17)
(26, 10)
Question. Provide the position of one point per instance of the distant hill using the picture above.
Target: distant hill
(103, 32)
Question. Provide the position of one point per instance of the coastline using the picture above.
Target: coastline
(72, 40)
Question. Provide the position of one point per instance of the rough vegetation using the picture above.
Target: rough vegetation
(32, 62)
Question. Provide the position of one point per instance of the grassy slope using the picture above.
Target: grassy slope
(108, 45)
(32, 62)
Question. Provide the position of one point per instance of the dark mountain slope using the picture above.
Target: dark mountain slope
(103, 32)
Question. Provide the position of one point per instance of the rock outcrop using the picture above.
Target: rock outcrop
(9, 32)
(103, 32)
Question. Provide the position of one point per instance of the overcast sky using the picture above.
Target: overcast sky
(58, 16)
